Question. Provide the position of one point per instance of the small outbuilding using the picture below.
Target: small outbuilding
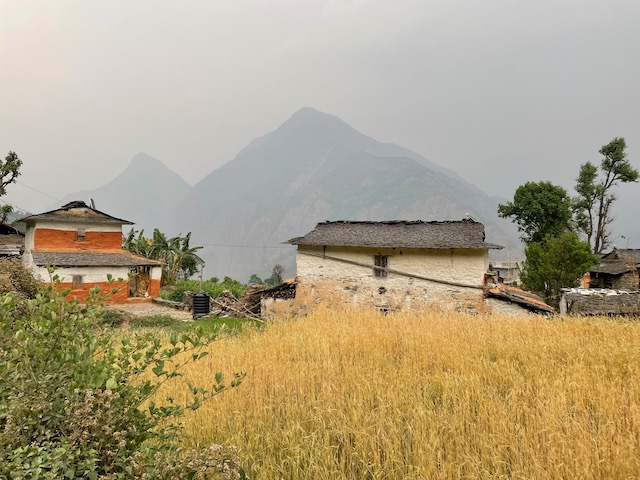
(617, 270)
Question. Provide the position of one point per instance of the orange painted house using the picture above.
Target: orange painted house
(85, 246)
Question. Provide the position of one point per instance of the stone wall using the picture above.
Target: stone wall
(343, 276)
(600, 302)
(626, 281)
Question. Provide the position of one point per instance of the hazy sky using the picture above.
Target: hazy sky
(501, 91)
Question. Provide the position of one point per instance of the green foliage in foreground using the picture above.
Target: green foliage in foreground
(78, 402)
(212, 287)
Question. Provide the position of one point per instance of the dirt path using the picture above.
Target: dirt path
(148, 309)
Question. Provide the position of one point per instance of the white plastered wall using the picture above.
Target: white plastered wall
(323, 279)
(90, 274)
(156, 273)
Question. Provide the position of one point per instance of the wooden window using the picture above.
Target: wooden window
(76, 282)
(80, 235)
(381, 266)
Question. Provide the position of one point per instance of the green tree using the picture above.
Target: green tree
(595, 197)
(276, 275)
(555, 263)
(9, 172)
(539, 209)
(179, 257)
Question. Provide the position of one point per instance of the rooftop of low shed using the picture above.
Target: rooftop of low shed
(398, 234)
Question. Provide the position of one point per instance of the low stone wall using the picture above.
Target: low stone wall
(600, 302)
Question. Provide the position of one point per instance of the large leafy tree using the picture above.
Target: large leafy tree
(554, 263)
(9, 172)
(595, 196)
(539, 209)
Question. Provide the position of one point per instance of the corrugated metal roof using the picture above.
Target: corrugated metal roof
(91, 259)
(398, 234)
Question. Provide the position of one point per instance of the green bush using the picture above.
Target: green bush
(72, 404)
(212, 287)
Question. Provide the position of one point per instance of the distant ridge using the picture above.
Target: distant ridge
(313, 168)
(144, 193)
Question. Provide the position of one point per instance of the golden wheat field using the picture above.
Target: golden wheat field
(360, 395)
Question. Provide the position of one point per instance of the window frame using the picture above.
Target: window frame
(77, 282)
(381, 266)
(81, 235)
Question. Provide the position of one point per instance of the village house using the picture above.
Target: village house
(84, 246)
(11, 241)
(397, 265)
(508, 271)
(617, 269)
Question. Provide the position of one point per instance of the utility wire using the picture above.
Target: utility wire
(36, 190)
(198, 244)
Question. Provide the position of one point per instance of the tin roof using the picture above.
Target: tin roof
(92, 259)
(398, 234)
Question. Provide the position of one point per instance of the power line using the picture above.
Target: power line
(239, 246)
(14, 205)
(36, 190)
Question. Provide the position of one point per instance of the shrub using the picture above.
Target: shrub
(212, 287)
(15, 278)
(77, 403)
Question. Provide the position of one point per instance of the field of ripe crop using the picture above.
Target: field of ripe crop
(357, 395)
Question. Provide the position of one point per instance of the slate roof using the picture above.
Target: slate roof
(631, 255)
(91, 259)
(76, 212)
(398, 234)
(618, 261)
(611, 268)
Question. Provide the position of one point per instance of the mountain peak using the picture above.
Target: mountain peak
(143, 159)
(311, 115)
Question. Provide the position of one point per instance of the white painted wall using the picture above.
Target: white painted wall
(156, 273)
(321, 279)
(464, 266)
(90, 274)
(89, 227)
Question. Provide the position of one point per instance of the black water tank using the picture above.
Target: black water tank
(200, 304)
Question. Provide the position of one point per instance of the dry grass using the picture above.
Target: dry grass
(359, 395)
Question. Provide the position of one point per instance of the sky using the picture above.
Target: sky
(500, 91)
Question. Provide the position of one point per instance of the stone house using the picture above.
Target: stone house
(11, 241)
(85, 247)
(394, 265)
(617, 269)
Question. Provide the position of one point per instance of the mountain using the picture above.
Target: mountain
(144, 193)
(313, 168)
